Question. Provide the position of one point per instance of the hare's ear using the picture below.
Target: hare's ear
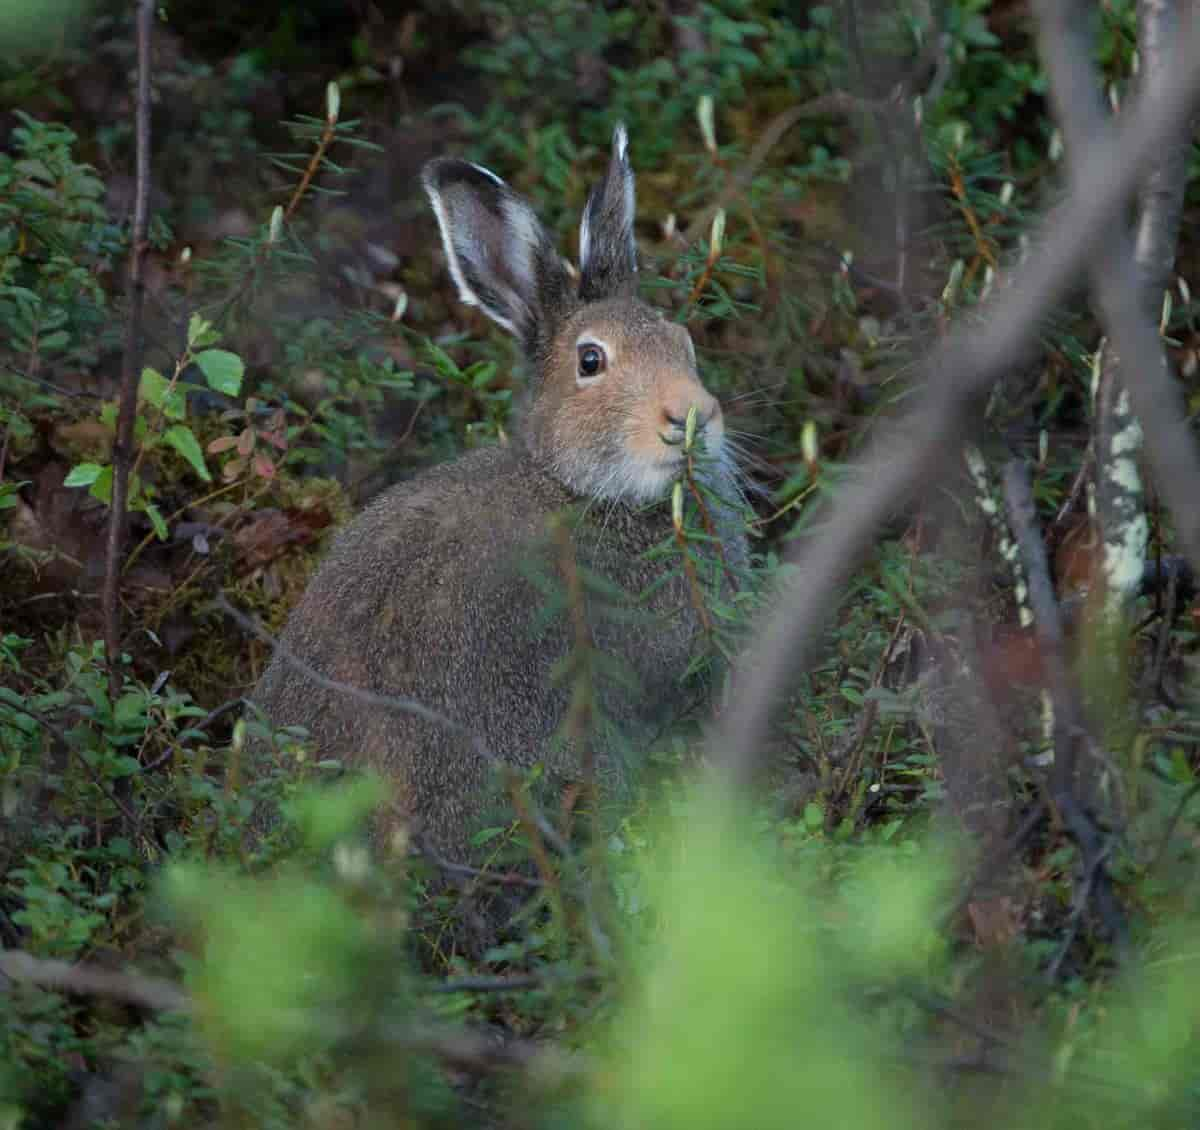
(607, 248)
(500, 257)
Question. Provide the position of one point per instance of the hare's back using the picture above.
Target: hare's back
(424, 595)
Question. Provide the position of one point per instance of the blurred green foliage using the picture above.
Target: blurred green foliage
(677, 959)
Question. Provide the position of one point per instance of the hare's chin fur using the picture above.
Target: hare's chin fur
(634, 480)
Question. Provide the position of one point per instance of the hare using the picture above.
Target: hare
(427, 597)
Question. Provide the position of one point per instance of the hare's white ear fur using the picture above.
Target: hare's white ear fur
(500, 257)
(607, 247)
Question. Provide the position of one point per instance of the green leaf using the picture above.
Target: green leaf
(130, 709)
(156, 520)
(53, 342)
(8, 493)
(101, 489)
(222, 370)
(83, 475)
(201, 332)
(157, 390)
(181, 437)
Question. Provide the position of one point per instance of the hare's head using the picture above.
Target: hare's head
(615, 379)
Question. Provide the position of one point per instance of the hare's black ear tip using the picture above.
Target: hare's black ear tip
(439, 172)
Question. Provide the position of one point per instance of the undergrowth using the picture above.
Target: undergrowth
(657, 956)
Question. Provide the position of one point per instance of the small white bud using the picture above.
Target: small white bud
(1006, 193)
(716, 237)
(918, 111)
(1114, 98)
(669, 226)
(1165, 318)
(1043, 447)
(401, 306)
(677, 506)
(959, 137)
(989, 278)
(1097, 367)
(1055, 150)
(1185, 291)
(689, 428)
(706, 118)
(185, 257)
(808, 443)
(351, 861)
(275, 229)
(333, 103)
(950, 290)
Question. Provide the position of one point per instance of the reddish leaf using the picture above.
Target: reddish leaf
(245, 442)
(221, 443)
(263, 467)
(269, 532)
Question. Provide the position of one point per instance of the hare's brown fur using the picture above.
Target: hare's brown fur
(428, 595)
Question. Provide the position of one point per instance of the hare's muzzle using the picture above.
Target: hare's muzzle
(682, 397)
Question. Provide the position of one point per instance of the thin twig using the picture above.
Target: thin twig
(500, 878)
(400, 704)
(12, 702)
(131, 365)
(314, 165)
(837, 104)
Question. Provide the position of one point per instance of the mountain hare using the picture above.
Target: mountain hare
(427, 597)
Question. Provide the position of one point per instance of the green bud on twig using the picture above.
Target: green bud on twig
(689, 429)
(1165, 319)
(1097, 367)
(275, 229)
(808, 444)
(716, 237)
(708, 129)
(333, 103)
(677, 507)
(401, 306)
(950, 290)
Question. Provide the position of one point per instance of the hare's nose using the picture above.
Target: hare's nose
(703, 416)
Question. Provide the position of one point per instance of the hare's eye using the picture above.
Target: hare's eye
(591, 362)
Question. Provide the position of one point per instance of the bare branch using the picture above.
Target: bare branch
(461, 1047)
(1115, 275)
(1047, 619)
(960, 371)
(1070, 731)
(85, 981)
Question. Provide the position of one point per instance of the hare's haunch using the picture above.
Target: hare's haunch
(433, 593)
